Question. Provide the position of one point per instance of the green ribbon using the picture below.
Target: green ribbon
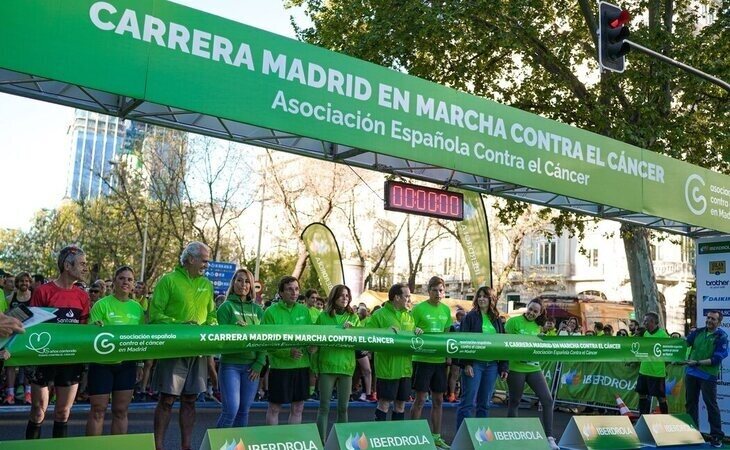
(64, 344)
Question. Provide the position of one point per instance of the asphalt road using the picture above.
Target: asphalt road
(14, 419)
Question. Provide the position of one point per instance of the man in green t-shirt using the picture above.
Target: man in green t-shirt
(709, 347)
(652, 374)
(183, 296)
(429, 372)
(289, 373)
(393, 371)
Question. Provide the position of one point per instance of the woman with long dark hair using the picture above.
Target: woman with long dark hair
(335, 365)
(239, 372)
(479, 377)
(530, 372)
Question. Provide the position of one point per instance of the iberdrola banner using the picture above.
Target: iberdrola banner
(62, 343)
(473, 234)
(582, 382)
(324, 254)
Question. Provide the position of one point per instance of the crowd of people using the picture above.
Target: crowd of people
(290, 376)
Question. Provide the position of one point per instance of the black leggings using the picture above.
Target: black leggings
(536, 381)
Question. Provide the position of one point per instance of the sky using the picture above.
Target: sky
(34, 144)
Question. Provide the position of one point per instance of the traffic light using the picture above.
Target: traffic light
(612, 32)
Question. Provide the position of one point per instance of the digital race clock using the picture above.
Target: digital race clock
(422, 200)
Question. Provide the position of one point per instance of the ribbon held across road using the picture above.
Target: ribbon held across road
(62, 344)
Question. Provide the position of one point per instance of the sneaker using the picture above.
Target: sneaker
(362, 398)
(553, 445)
(451, 398)
(28, 399)
(715, 442)
(440, 443)
(10, 399)
(372, 398)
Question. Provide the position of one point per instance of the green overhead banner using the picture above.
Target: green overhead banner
(324, 255)
(168, 54)
(61, 344)
(473, 233)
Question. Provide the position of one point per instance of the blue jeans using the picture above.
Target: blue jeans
(237, 394)
(476, 391)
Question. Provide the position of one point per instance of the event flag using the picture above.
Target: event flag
(473, 233)
(63, 343)
(324, 254)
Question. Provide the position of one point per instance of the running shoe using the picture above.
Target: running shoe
(439, 442)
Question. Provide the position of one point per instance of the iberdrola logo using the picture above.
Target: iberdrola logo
(233, 445)
(357, 442)
(589, 431)
(673, 387)
(484, 435)
(572, 378)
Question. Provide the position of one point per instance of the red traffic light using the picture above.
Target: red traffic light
(622, 19)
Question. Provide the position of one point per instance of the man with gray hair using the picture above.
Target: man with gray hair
(183, 296)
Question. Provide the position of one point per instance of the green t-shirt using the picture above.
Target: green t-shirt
(520, 325)
(180, 298)
(112, 311)
(392, 366)
(431, 319)
(314, 313)
(232, 312)
(658, 368)
(334, 360)
(487, 327)
(280, 314)
(3, 302)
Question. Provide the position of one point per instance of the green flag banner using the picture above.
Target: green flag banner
(591, 382)
(473, 233)
(61, 344)
(166, 54)
(324, 254)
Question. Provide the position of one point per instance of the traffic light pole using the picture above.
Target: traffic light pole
(682, 66)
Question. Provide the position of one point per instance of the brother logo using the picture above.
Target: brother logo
(717, 283)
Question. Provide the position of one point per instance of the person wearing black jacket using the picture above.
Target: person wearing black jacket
(479, 377)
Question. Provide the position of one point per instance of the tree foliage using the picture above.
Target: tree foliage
(540, 56)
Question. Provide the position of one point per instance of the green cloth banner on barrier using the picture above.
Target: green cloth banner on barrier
(167, 54)
(601, 383)
(60, 344)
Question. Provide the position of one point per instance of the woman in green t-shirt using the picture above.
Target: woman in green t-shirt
(239, 372)
(335, 365)
(530, 372)
(119, 379)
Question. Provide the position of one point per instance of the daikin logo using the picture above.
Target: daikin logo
(696, 202)
(710, 298)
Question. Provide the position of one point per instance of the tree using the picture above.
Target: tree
(533, 55)
(421, 234)
(304, 195)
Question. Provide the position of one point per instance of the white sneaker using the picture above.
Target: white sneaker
(553, 445)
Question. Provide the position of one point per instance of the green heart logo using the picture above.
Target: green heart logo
(39, 341)
(635, 347)
(416, 343)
